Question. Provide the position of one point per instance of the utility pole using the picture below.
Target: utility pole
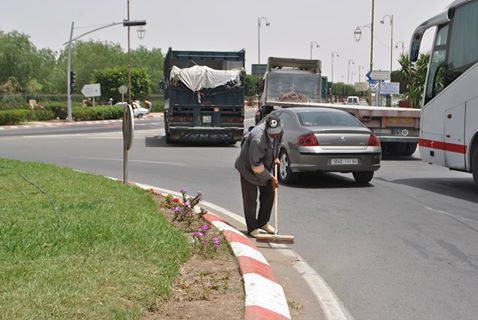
(68, 75)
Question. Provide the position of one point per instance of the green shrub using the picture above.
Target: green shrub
(14, 116)
(97, 113)
(13, 101)
(42, 115)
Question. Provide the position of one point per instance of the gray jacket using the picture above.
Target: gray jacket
(257, 149)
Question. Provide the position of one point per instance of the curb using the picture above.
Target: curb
(264, 296)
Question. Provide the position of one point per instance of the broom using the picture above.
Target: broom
(275, 238)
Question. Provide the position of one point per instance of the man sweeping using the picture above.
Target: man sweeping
(259, 153)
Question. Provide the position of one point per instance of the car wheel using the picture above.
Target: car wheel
(363, 177)
(474, 165)
(285, 173)
(140, 115)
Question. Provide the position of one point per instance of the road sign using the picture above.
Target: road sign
(361, 86)
(380, 75)
(123, 89)
(389, 88)
(91, 90)
(128, 126)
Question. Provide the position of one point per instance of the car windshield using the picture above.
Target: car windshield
(327, 119)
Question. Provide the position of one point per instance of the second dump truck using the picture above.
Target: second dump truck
(204, 96)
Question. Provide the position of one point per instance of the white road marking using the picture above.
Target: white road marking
(454, 217)
(138, 161)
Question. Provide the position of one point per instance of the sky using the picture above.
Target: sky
(226, 25)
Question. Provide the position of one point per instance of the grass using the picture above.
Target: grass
(105, 253)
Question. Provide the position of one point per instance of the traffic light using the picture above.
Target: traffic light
(72, 81)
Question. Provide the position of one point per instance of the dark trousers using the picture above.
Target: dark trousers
(249, 199)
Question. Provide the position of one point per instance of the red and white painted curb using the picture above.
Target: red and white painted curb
(265, 298)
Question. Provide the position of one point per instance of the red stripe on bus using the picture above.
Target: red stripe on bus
(440, 145)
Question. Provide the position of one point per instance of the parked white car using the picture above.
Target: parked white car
(138, 110)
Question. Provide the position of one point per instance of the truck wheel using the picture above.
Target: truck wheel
(363, 177)
(411, 148)
(474, 165)
(285, 173)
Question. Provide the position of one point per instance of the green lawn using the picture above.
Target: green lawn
(105, 253)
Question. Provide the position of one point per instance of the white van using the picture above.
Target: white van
(353, 100)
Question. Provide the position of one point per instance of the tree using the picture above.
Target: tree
(152, 61)
(111, 79)
(414, 76)
(250, 83)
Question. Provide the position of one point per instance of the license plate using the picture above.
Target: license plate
(338, 162)
(206, 119)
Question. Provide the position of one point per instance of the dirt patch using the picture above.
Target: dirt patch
(206, 288)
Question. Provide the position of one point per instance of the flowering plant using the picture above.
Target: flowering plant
(206, 242)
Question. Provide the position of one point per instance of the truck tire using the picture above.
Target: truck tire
(411, 148)
(363, 177)
(285, 173)
(474, 165)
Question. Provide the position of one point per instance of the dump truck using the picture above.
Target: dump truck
(290, 82)
(204, 96)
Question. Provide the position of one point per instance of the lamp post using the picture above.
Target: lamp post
(125, 23)
(348, 70)
(390, 17)
(259, 23)
(334, 54)
(312, 43)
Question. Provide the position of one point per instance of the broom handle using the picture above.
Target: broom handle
(276, 216)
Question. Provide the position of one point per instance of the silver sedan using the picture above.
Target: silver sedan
(327, 140)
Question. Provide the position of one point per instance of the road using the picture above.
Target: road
(404, 247)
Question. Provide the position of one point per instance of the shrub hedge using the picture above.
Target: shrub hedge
(15, 116)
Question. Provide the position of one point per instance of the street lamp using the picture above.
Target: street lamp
(390, 17)
(334, 54)
(125, 23)
(259, 20)
(348, 70)
(312, 45)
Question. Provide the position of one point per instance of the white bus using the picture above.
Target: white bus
(449, 116)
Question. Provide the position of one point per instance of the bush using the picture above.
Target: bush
(42, 115)
(14, 116)
(97, 113)
(13, 101)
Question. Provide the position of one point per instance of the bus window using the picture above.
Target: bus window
(463, 51)
(435, 79)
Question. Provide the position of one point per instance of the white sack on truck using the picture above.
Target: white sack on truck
(199, 77)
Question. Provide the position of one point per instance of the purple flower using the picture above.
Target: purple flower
(177, 209)
(197, 234)
(187, 203)
(205, 227)
(216, 242)
(183, 191)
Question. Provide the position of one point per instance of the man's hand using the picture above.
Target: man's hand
(275, 183)
(277, 162)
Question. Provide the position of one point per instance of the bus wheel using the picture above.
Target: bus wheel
(474, 165)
